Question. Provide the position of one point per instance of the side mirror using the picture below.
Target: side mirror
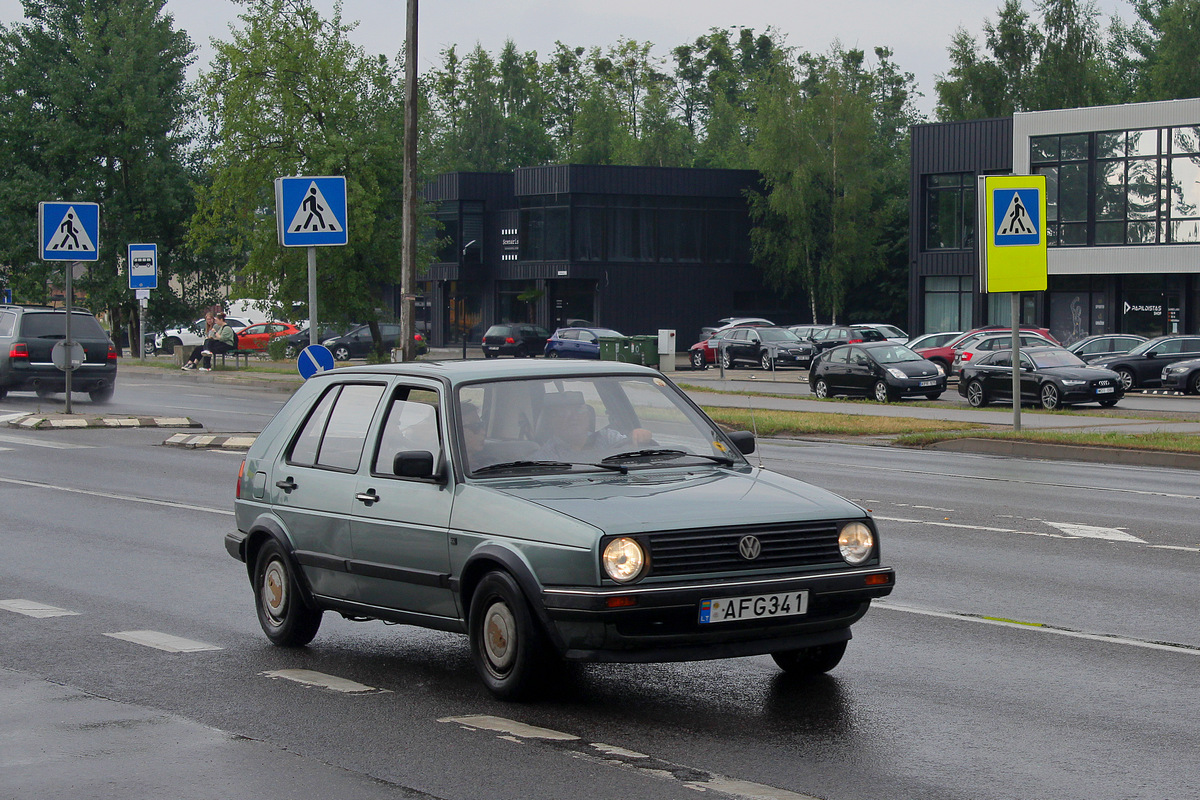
(743, 441)
(413, 464)
(1151, 354)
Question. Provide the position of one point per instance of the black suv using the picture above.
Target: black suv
(27, 338)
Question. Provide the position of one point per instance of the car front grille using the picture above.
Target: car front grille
(791, 544)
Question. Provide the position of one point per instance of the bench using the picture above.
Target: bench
(239, 356)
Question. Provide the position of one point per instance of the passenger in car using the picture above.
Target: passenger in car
(569, 425)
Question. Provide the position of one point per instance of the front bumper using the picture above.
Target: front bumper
(661, 623)
(913, 385)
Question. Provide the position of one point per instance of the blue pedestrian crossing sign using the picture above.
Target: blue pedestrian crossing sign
(69, 231)
(314, 360)
(311, 212)
(1016, 213)
(143, 266)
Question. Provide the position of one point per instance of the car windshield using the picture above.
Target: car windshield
(1056, 358)
(585, 422)
(894, 355)
(777, 335)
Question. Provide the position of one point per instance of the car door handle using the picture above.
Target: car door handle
(287, 484)
(367, 497)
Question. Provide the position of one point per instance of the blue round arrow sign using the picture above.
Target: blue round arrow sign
(313, 360)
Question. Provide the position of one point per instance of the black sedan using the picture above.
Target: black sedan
(1142, 366)
(884, 370)
(1182, 376)
(764, 347)
(1050, 376)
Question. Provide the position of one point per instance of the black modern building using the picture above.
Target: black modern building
(1123, 219)
(637, 249)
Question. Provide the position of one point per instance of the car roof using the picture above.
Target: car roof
(459, 372)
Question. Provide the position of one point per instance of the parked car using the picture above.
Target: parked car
(764, 347)
(832, 336)
(932, 339)
(729, 322)
(27, 338)
(191, 335)
(944, 354)
(357, 342)
(891, 332)
(1182, 376)
(805, 331)
(1105, 344)
(1050, 376)
(657, 542)
(256, 337)
(578, 342)
(519, 339)
(884, 370)
(994, 341)
(296, 342)
(704, 352)
(1142, 366)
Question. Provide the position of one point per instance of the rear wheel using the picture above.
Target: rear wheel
(821, 388)
(101, 395)
(726, 361)
(976, 396)
(44, 392)
(284, 617)
(810, 660)
(552, 354)
(883, 392)
(507, 646)
(1050, 397)
(522, 352)
(697, 359)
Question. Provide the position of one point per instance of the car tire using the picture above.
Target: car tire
(697, 359)
(170, 344)
(1193, 384)
(290, 351)
(882, 392)
(489, 355)
(101, 395)
(1109, 403)
(726, 361)
(933, 395)
(341, 353)
(765, 361)
(44, 392)
(552, 354)
(3, 393)
(943, 363)
(507, 645)
(285, 618)
(810, 660)
(1051, 399)
(522, 352)
(976, 395)
(1128, 380)
(821, 388)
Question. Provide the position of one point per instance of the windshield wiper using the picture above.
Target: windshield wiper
(668, 453)
(567, 464)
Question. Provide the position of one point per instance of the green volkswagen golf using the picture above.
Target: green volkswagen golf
(550, 511)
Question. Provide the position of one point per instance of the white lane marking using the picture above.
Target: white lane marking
(35, 610)
(31, 442)
(1039, 627)
(985, 528)
(1094, 532)
(113, 496)
(1175, 547)
(310, 677)
(513, 731)
(511, 727)
(163, 641)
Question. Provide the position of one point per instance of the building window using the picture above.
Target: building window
(950, 211)
(948, 303)
(543, 229)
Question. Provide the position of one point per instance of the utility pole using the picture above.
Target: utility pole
(408, 276)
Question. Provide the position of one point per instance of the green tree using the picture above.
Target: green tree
(93, 102)
(289, 94)
(1160, 51)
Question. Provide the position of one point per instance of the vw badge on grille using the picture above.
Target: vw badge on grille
(749, 547)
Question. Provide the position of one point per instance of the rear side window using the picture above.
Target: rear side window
(8, 323)
(336, 430)
(54, 326)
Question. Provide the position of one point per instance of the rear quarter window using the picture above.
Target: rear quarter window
(8, 323)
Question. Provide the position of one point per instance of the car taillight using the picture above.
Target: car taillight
(241, 471)
(112, 353)
(510, 340)
(854, 341)
(19, 350)
(965, 357)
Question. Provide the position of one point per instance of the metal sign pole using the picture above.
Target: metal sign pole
(1016, 359)
(313, 336)
(67, 343)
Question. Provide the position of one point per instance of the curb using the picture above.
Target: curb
(193, 441)
(34, 422)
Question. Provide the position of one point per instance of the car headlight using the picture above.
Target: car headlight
(1073, 383)
(328, 343)
(941, 371)
(897, 374)
(855, 541)
(623, 559)
(1175, 370)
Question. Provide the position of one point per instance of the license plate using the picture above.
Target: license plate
(1105, 390)
(929, 383)
(760, 606)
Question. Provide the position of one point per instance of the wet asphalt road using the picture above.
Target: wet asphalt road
(1041, 643)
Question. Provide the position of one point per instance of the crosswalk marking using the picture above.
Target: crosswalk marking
(36, 610)
(310, 677)
(163, 641)
(30, 441)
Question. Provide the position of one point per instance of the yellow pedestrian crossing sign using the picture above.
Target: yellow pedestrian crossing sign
(1013, 258)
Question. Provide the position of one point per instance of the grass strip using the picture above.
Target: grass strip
(1167, 442)
(800, 423)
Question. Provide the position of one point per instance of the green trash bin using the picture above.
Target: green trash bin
(640, 350)
(610, 347)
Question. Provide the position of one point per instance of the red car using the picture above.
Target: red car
(255, 337)
(945, 355)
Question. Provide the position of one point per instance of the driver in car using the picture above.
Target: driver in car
(572, 438)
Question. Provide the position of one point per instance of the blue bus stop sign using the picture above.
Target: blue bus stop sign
(314, 360)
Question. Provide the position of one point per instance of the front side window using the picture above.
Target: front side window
(411, 423)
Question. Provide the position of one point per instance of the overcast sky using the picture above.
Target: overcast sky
(917, 32)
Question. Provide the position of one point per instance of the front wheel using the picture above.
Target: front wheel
(697, 359)
(1193, 384)
(506, 644)
(1108, 403)
(284, 617)
(170, 344)
(290, 352)
(765, 361)
(810, 660)
(933, 395)
(1127, 380)
(341, 353)
(976, 396)
(1050, 397)
(883, 393)
(821, 388)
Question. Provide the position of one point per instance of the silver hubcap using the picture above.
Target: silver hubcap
(275, 592)
(500, 637)
(881, 392)
(821, 389)
(1049, 397)
(975, 394)
(1126, 380)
